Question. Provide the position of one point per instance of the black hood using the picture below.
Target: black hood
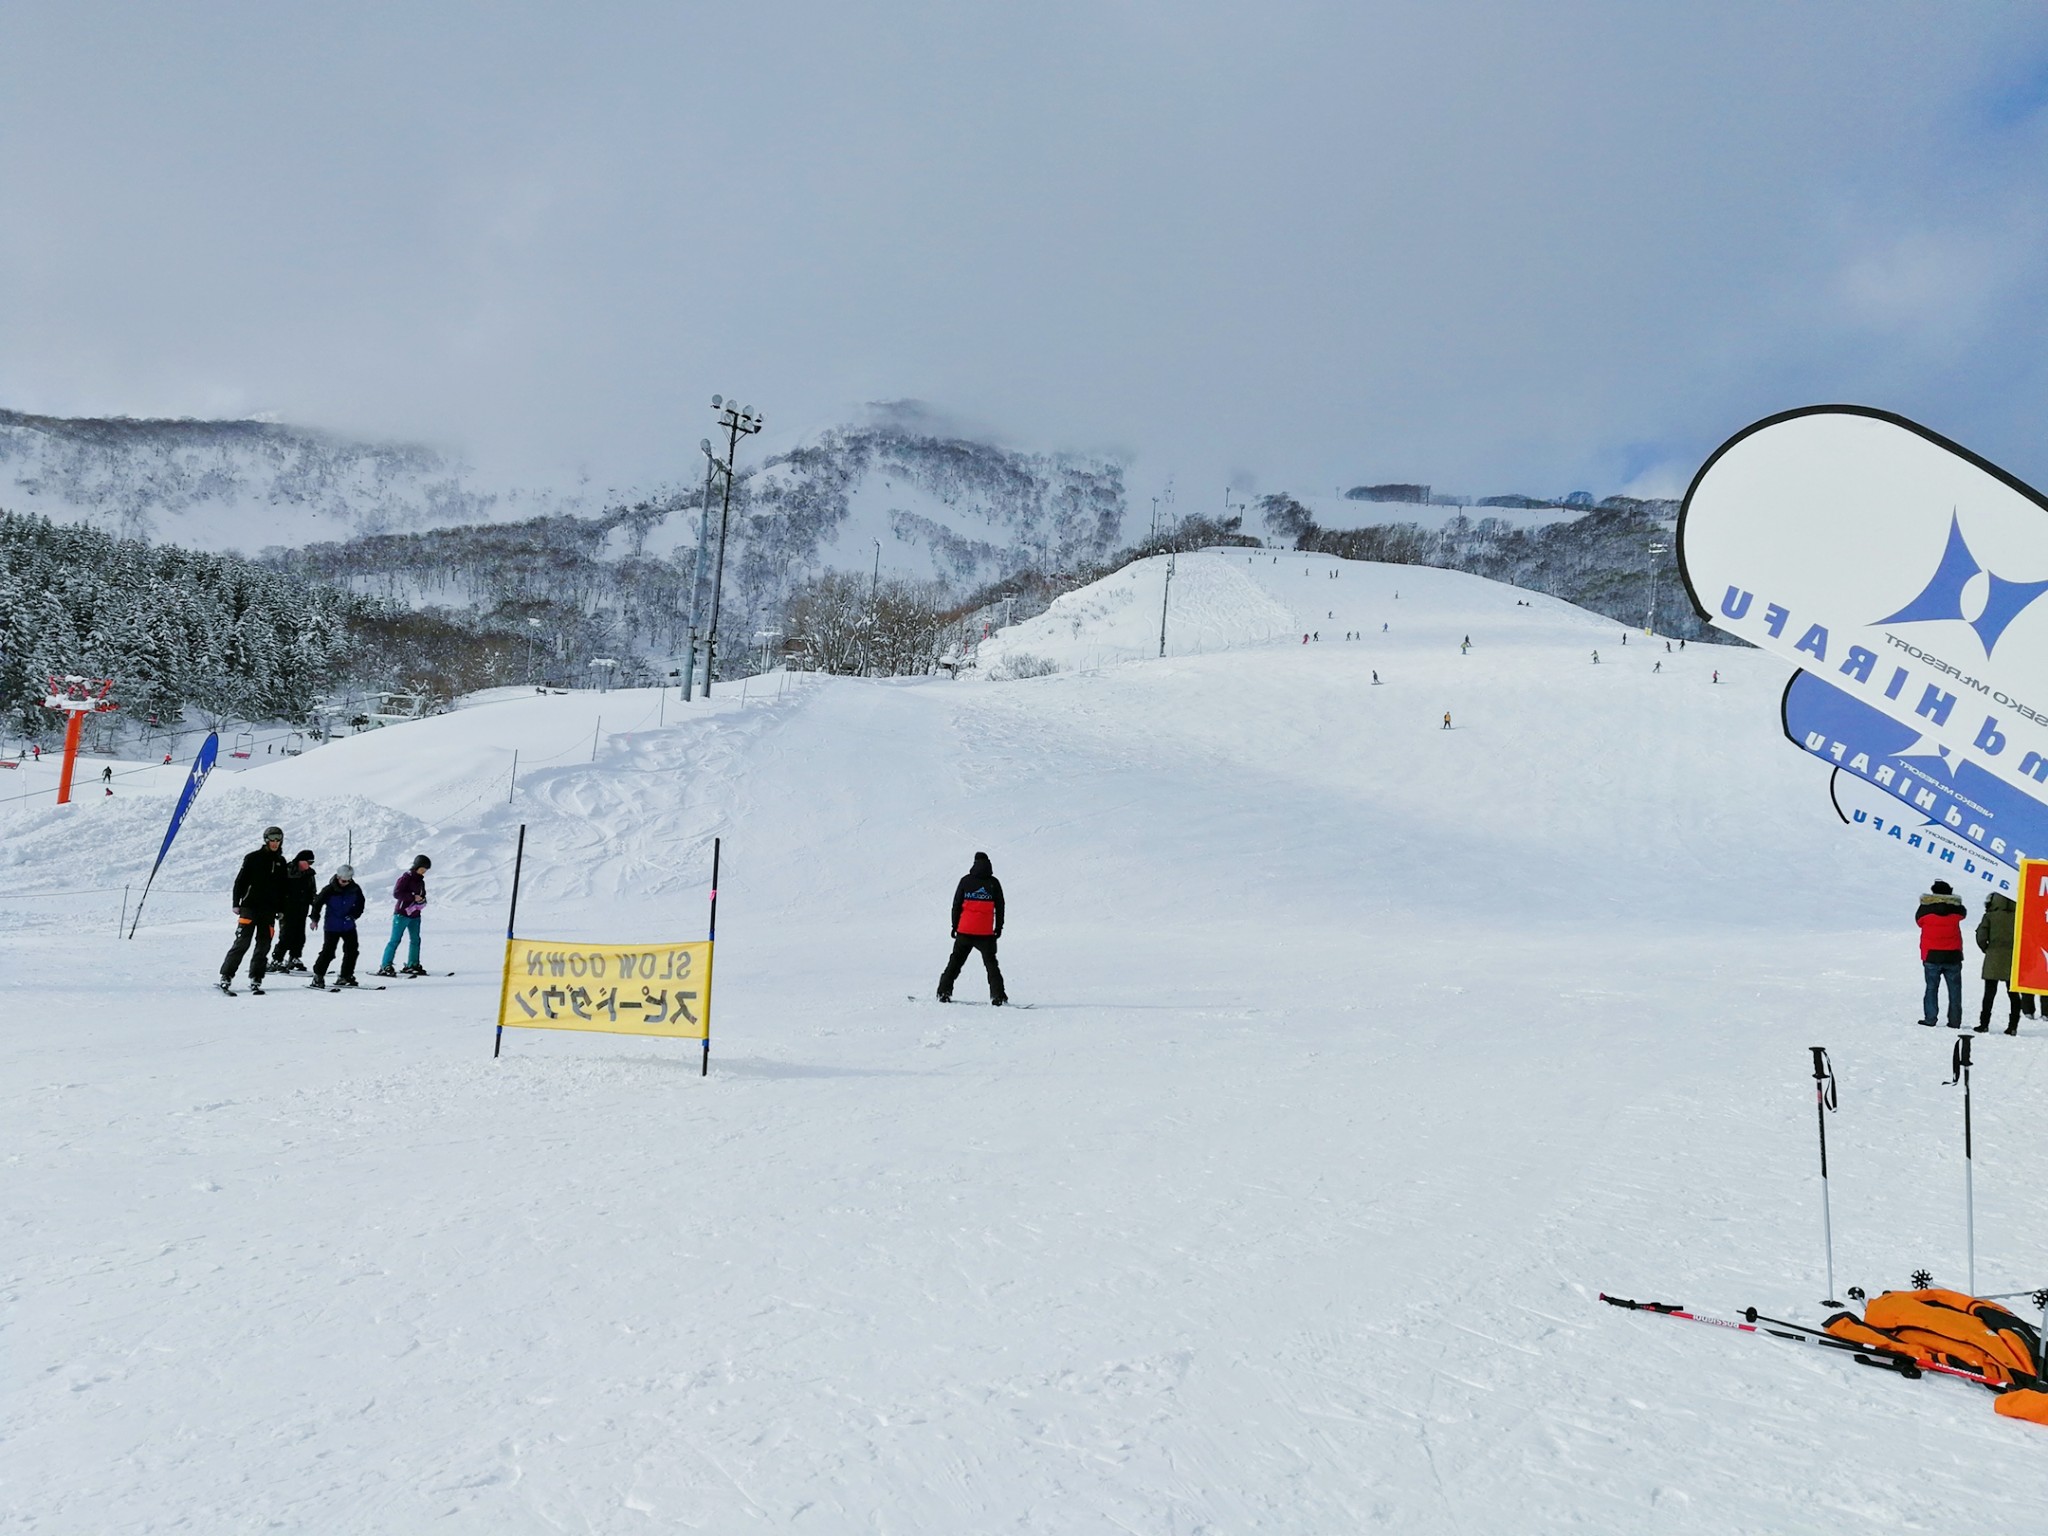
(981, 865)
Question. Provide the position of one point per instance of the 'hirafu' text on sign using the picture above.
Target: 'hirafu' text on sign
(1961, 814)
(614, 989)
(1902, 569)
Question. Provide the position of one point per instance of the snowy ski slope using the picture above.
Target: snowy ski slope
(1363, 1055)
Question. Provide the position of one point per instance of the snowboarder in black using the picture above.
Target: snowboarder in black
(338, 905)
(977, 924)
(258, 896)
(302, 881)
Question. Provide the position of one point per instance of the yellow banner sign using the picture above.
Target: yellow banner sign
(613, 989)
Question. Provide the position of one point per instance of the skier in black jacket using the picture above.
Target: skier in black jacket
(301, 884)
(977, 924)
(259, 895)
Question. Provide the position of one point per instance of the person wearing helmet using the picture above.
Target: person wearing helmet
(259, 895)
(409, 896)
(337, 907)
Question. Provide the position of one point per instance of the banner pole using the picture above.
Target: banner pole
(145, 897)
(511, 921)
(711, 937)
(1823, 1101)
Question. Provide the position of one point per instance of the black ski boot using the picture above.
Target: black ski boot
(346, 981)
(225, 984)
(414, 970)
(384, 970)
(318, 983)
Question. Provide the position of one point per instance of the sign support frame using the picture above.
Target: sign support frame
(711, 937)
(511, 921)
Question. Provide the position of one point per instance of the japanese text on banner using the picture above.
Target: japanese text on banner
(622, 989)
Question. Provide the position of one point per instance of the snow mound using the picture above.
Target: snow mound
(1212, 606)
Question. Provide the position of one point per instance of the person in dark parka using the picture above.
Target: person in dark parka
(1940, 917)
(1994, 937)
(338, 905)
(302, 882)
(977, 924)
(259, 895)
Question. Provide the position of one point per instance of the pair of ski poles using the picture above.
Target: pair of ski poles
(1825, 1100)
(1902, 1361)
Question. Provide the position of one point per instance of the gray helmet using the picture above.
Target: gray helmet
(276, 832)
(346, 872)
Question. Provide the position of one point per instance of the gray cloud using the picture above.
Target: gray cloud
(1495, 246)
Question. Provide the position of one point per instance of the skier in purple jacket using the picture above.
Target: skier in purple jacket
(409, 896)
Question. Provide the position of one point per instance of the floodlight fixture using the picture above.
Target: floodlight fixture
(717, 402)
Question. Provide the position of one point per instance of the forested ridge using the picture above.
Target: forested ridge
(223, 637)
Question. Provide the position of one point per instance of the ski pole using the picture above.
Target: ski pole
(1887, 1360)
(1959, 1071)
(1821, 1335)
(1823, 1103)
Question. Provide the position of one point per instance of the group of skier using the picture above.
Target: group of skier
(275, 898)
(1940, 918)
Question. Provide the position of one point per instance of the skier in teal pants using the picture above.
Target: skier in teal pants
(410, 894)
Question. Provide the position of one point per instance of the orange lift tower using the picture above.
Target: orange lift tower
(78, 697)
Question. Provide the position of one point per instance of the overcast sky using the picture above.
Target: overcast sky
(1538, 246)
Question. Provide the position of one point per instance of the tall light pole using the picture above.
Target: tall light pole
(1654, 551)
(711, 467)
(738, 422)
(1164, 594)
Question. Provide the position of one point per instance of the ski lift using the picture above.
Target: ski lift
(295, 743)
(245, 744)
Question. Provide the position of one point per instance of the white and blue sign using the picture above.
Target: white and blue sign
(1891, 780)
(1902, 570)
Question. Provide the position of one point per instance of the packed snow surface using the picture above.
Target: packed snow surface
(1363, 1054)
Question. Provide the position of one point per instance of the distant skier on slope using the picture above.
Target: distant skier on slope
(301, 881)
(409, 898)
(259, 892)
(1940, 916)
(977, 924)
(339, 904)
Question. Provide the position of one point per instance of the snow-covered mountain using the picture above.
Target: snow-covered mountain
(245, 485)
(932, 502)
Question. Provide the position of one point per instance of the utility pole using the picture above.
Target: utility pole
(1165, 593)
(1651, 622)
(711, 467)
(738, 422)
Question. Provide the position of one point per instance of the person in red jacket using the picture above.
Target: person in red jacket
(977, 924)
(1941, 951)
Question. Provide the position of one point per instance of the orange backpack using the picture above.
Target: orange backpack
(1949, 1328)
